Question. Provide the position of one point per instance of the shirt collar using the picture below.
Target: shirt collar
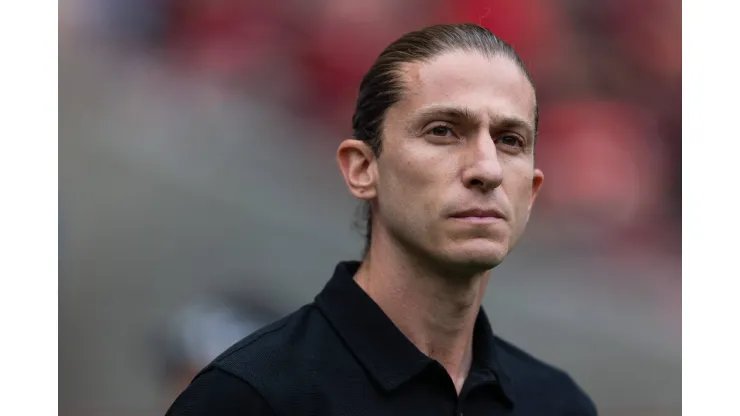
(380, 346)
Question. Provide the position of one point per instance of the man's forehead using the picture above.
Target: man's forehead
(487, 85)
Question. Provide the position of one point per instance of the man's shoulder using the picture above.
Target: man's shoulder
(538, 377)
(216, 392)
(253, 375)
(285, 347)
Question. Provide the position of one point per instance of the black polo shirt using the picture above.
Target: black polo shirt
(341, 355)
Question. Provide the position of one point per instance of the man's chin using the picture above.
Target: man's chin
(478, 256)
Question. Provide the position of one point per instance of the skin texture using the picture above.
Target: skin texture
(461, 137)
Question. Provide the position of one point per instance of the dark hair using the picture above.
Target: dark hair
(381, 87)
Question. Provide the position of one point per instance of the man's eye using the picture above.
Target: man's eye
(512, 141)
(441, 131)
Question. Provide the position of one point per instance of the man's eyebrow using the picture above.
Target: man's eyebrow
(453, 112)
(468, 115)
(514, 122)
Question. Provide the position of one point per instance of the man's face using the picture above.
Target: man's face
(455, 180)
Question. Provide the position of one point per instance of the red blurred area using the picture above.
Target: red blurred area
(230, 38)
(604, 164)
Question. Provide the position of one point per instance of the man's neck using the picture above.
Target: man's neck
(436, 313)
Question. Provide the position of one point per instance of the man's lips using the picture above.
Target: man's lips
(479, 214)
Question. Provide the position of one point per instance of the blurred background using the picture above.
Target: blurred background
(200, 199)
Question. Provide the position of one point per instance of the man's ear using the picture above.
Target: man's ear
(537, 180)
(357, 163)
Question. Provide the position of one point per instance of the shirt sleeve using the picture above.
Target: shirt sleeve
(216, 392)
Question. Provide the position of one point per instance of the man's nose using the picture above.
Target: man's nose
(483, 170)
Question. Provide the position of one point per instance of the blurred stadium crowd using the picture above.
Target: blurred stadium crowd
(174, 88)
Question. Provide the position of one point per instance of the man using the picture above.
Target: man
(443, 154)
